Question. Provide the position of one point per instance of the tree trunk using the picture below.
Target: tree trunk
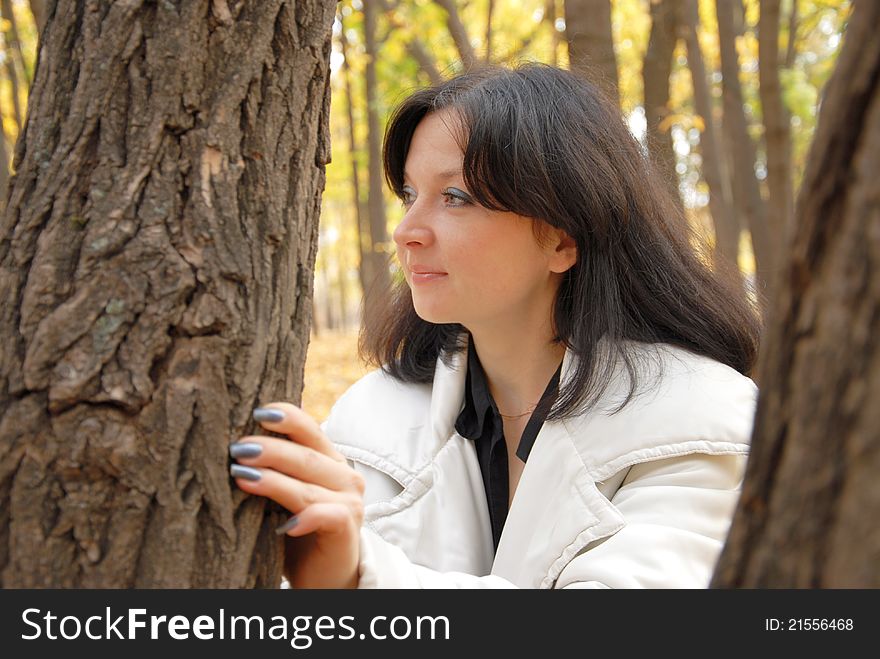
(459, 34)
(38, 9)
(158, 249)
(746, 193)
(9, 63)
(13, 43)
(591, 44)
(362, 231)
(414, 45)
(656, 68)
(550, 16)
(777, 130)
(379, 279)
(4, 164)
(727, 227)
(807, 516)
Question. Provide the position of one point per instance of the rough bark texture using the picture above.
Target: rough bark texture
(727, 227)
(777, 130)
(808, 512)
(746, 193)
(656, 68)
(591, 44)
(156, 260)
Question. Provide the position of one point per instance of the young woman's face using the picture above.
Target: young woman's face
(466, 264)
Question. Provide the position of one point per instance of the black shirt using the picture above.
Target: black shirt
(481, 422)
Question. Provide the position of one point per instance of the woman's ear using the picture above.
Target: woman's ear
(563, 253)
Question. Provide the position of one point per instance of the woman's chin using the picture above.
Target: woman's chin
(435, 316)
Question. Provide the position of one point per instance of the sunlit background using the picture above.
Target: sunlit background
(384, 50)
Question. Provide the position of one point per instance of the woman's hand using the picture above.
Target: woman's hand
(314, 482)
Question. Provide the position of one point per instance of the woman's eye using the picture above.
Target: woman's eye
(456, 197)
(407, 197)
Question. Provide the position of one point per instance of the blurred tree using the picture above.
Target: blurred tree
(591, 44)
(807, 516)
(459, 33)
(655, 73)
(747, 198)
(156, 267)
(362, 229)
(777, 127)
(378, 275)
(724, 220)
(38, 7)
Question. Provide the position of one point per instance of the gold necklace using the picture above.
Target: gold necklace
(516, 416)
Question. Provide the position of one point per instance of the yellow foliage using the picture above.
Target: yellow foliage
(332, 366)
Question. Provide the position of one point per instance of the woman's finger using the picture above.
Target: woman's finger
(293, 494)
(301, 462)
(290, 420)
(332, 518)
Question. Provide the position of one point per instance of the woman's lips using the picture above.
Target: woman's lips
(426, 277)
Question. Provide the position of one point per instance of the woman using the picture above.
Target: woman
(562, 400)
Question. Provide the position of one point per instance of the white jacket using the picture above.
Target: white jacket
(640, 498)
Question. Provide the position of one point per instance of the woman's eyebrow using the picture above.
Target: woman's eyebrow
(445, 174)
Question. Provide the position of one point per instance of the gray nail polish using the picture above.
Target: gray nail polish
(289, 524)
(247, 473)
(268, 414)
(245, 449)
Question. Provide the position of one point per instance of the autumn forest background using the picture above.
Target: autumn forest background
(724, 95)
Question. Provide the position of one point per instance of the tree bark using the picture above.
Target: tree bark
(591, 43)
(746, 193)
(656, 69)
(807, 516)
(378, 275)
(777, 129)
(158, 248)
(727, 227)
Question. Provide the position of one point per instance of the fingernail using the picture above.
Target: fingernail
(270, 415)
(289, 524)
(247, 473)
(245, 449)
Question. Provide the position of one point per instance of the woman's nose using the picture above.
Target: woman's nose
(412, 231)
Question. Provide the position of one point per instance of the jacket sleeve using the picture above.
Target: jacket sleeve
(677, 513)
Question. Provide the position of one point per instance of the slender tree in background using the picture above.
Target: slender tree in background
(156, 267)
(4, 163)
(777, 128)
(378, 271)
(714, 172)
(807, 516)
(362, 228)
(656, 69)
(459, 34)
(591, 43)
(746, 193)
(38, 8)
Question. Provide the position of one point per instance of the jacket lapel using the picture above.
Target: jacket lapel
(556, 511)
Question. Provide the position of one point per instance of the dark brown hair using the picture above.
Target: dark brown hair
(544, 143)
